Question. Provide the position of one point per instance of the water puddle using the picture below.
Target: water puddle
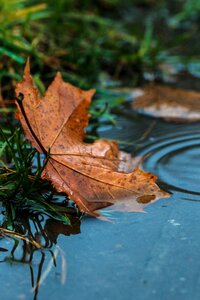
(128, 255)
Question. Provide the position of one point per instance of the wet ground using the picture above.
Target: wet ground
(147, 256)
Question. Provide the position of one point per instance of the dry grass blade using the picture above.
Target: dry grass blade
(12, 234)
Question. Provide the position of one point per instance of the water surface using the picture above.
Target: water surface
(152, 255)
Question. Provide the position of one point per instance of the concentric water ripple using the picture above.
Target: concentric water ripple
(169, 150)
(173, 154)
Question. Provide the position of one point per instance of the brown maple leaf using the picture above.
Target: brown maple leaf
(93, 175)
(171, 104)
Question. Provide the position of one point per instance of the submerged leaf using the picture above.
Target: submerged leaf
(93, 175)
(171, 104)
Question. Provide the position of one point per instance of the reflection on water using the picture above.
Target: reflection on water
(34, 243)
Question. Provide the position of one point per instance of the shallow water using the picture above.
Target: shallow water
(153, 255)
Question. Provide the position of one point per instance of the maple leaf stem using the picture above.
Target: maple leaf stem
(19, 100)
